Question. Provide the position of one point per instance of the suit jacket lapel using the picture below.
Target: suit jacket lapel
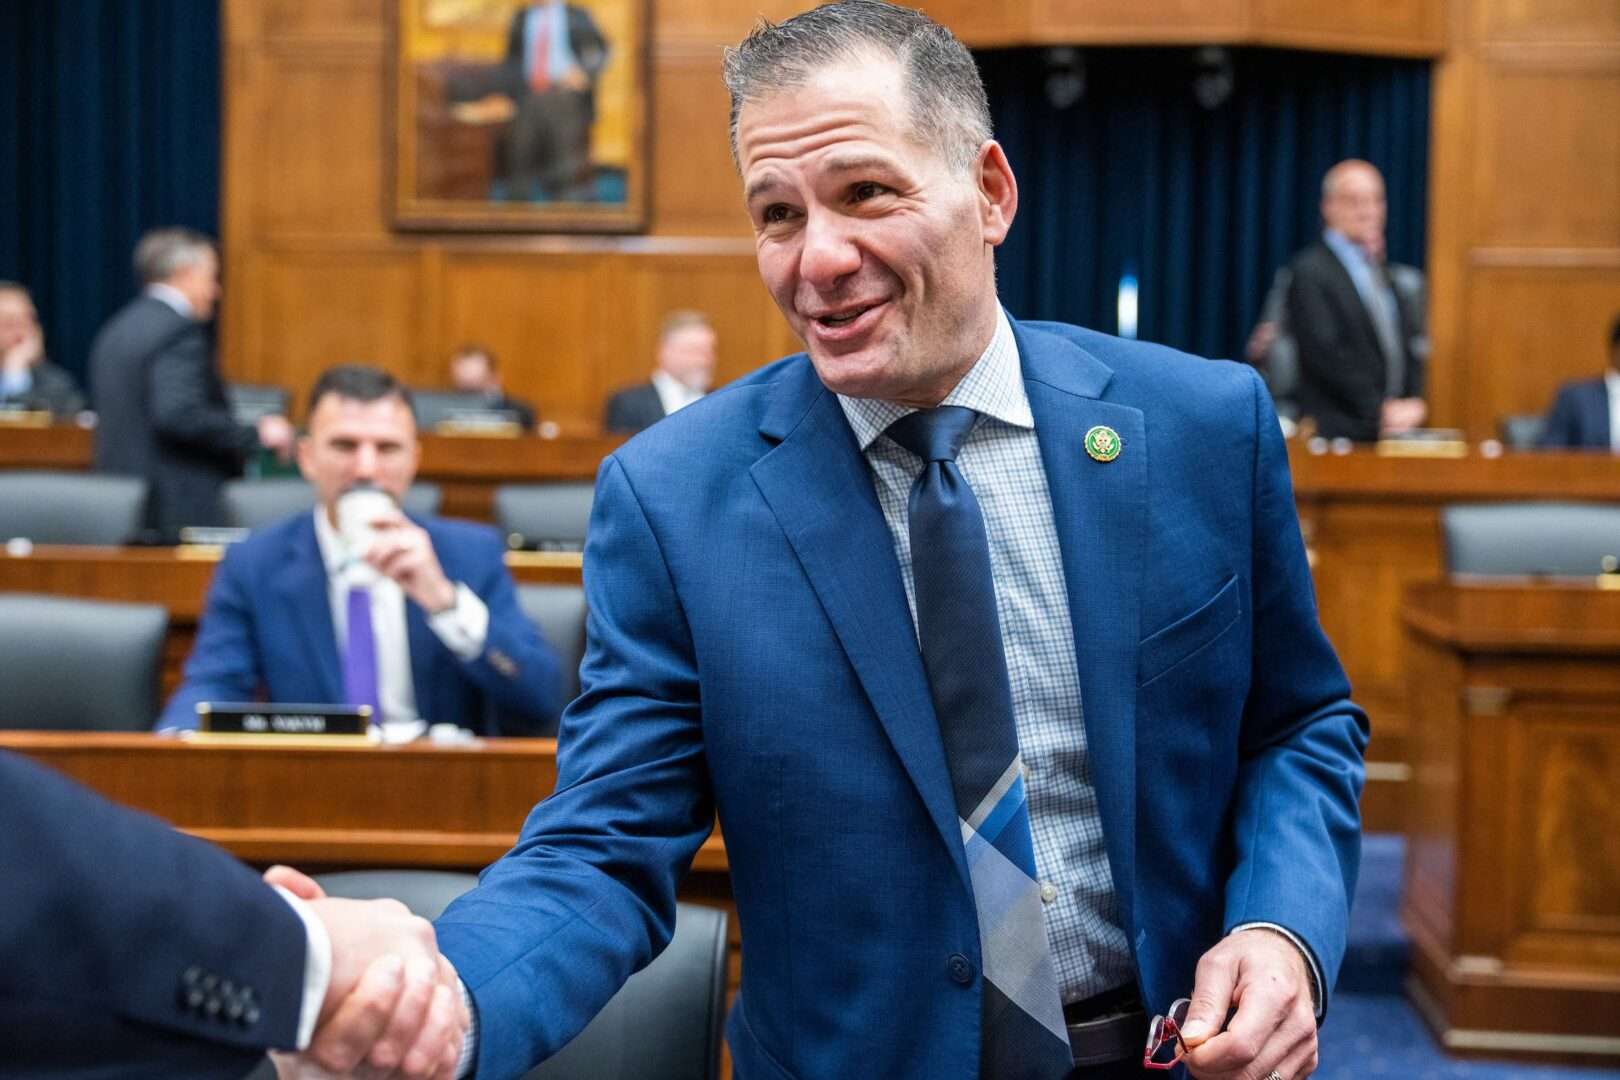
(819, 487)
(1100, 511)
(301, 588)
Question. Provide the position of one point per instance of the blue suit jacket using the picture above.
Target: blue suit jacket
(751, 652)
(102, 912)
(268, 628)
(1579, 418)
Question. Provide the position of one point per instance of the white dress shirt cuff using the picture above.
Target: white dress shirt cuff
(464, 625)
(1318, 989)
(317, 967)
(469, 1047)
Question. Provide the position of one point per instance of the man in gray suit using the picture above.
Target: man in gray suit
(162, 407)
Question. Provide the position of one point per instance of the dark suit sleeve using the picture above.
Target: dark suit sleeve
(586, 41)
(518, 673)
(587, 895)
(616, 417)
(183, 411)
(1296, 823)
(105, 910)
(1327, 359)
(1563, 420)
(54, 391)
(224, 661)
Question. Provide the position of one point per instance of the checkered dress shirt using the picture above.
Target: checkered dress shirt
(1002, 461)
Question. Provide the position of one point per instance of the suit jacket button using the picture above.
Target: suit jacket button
(234, 1010)
(192, 976)
(960, 968)
(194, 999)
(250, 1016)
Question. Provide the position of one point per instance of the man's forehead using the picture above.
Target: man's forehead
(336, 412)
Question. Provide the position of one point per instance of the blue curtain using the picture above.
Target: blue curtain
(109, 125)
(1201, 204)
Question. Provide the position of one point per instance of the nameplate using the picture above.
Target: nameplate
(273, 718)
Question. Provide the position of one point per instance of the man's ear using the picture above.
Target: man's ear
(998, 192)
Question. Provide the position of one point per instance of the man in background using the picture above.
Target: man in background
(128, 949)
(555, 53)
(418, 618)
(158, 393)
(1586, 413)
(28, 381)
(684, 373)
(1359, 338)
(474, 370)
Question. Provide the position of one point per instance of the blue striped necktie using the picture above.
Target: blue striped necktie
(1023, 1033)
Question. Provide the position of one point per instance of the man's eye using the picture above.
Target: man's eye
(774, 213)
(866, 189)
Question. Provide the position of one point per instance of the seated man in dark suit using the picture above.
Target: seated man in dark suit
(1586, 413)
(130, 950)
(416, 617)
(686, 358)
(474, 370)
(28, 381)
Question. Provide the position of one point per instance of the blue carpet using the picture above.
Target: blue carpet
(1371, 1029)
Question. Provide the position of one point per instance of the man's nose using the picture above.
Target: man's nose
(829, 253)
(365, 463)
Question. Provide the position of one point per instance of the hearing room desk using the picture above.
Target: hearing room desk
(1513, 852)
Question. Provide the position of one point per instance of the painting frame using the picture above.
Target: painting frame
(460, 160)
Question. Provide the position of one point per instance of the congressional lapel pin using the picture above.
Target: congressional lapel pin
(1102, 443)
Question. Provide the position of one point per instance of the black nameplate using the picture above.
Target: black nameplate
(275, 718)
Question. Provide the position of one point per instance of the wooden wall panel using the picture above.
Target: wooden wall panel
(320, 309)
(329, 18)
(1533, 329)
(696, 189)
(1548, 156)
(1414, 27)
(1148, 21)
(1564, 21)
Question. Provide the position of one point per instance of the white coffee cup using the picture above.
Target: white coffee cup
(357, 509)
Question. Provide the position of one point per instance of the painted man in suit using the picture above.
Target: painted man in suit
(1361, 349)
(128, 949)
(28, 381)
(555, 54)
(991, 644)
(683, 373)
(160, 402)
(1586, 413)
(430, 600)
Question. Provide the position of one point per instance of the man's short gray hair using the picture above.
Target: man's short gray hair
(946, 100)
(162, 253)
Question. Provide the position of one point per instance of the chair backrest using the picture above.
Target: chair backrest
(545, 515)
(1521, 432)
(71, 507)
(253, 504)
(248, 402)
(559, 612)
(664, 1024)
(1511, 539)
(79, 664)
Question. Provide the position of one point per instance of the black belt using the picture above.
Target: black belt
(1107, 1028)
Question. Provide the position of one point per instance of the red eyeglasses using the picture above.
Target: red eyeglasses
(1164, 1045)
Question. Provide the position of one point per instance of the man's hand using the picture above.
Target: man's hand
(1266, 978)
(403, 551)
(574, 78)
(1402, 414)
(392, 1008)
(24, 354)
(276, 433)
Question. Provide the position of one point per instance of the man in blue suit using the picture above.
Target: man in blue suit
(438, 614)
(128, 949)
(992, 645)
(1586, 413)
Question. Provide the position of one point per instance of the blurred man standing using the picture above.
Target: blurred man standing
(1360, 339)
(161, 402)
(686, 359)
(28, 381)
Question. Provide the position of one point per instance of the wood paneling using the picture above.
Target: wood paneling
(1563, 21)
(1512, 895)
(697, 191)
(1148, 21)
(1535, 328)
(1548, 155)
(1413, 27)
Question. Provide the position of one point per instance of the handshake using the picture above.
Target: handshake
(393, 1007)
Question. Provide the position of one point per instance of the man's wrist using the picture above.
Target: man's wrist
(1313, 974)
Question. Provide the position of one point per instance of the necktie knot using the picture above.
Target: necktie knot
(934, 434)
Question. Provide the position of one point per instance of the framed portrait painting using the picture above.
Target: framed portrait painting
(519, 115)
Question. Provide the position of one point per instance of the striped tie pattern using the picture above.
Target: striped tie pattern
(1023, 1032)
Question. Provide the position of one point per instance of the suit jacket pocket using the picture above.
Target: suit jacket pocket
(1189, 634)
